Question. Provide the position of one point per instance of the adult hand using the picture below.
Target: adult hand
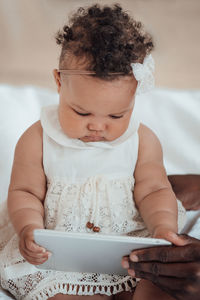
(174, 269)
(187, 189)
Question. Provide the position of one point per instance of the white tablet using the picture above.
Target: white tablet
(89, 252)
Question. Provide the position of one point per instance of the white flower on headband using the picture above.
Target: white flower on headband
(144, 75)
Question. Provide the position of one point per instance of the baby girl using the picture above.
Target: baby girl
(89, 165)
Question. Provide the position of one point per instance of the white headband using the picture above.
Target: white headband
(144, 74)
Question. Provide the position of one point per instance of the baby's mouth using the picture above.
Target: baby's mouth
(92, 138)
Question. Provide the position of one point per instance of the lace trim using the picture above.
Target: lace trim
(69, 206)
(82, 290)
(45, 284)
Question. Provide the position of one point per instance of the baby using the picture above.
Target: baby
(88, 165)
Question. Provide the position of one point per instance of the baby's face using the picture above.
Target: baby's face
(94, 110)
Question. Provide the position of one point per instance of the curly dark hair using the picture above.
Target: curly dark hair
(107, 37)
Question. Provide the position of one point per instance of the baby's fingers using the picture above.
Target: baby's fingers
(37, 255)
(29, 248)
(172, 237)
(32, 258)
(175, 239)
(33, 247)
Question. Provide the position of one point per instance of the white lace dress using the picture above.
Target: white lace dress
(87, 182)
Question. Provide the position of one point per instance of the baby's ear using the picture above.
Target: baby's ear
(56, 75)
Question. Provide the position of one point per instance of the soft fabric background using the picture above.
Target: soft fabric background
(28, 51)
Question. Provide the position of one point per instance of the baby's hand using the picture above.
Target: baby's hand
(32, 252)
(162, 232)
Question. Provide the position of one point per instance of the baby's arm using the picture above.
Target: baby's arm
(153, 194)
(27, 192)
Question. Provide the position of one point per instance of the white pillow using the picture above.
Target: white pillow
(174, 115)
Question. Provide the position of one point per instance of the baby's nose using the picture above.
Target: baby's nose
(97, 126)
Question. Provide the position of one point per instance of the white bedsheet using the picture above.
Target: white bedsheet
(174, 115)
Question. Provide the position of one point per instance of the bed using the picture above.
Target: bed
(172, 114)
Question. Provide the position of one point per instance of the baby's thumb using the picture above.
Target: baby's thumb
(175, 239)
(32, 246)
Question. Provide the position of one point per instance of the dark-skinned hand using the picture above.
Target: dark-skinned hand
(174, 269)
(187, 190)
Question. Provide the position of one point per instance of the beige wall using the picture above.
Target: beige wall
(28, 51)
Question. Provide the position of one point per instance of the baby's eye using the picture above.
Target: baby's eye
(116, 117)
(81, 114)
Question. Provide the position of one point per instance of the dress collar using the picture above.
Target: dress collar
(51, 126)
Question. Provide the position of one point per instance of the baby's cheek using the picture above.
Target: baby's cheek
(75, 128)
(117, 129)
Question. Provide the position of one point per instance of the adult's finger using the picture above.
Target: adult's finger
(178, 270)
(191, 200)
(189, 252)
(192, 205)
(125, 262)
(196, 208)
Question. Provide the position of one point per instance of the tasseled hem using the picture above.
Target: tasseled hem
(82, 290)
